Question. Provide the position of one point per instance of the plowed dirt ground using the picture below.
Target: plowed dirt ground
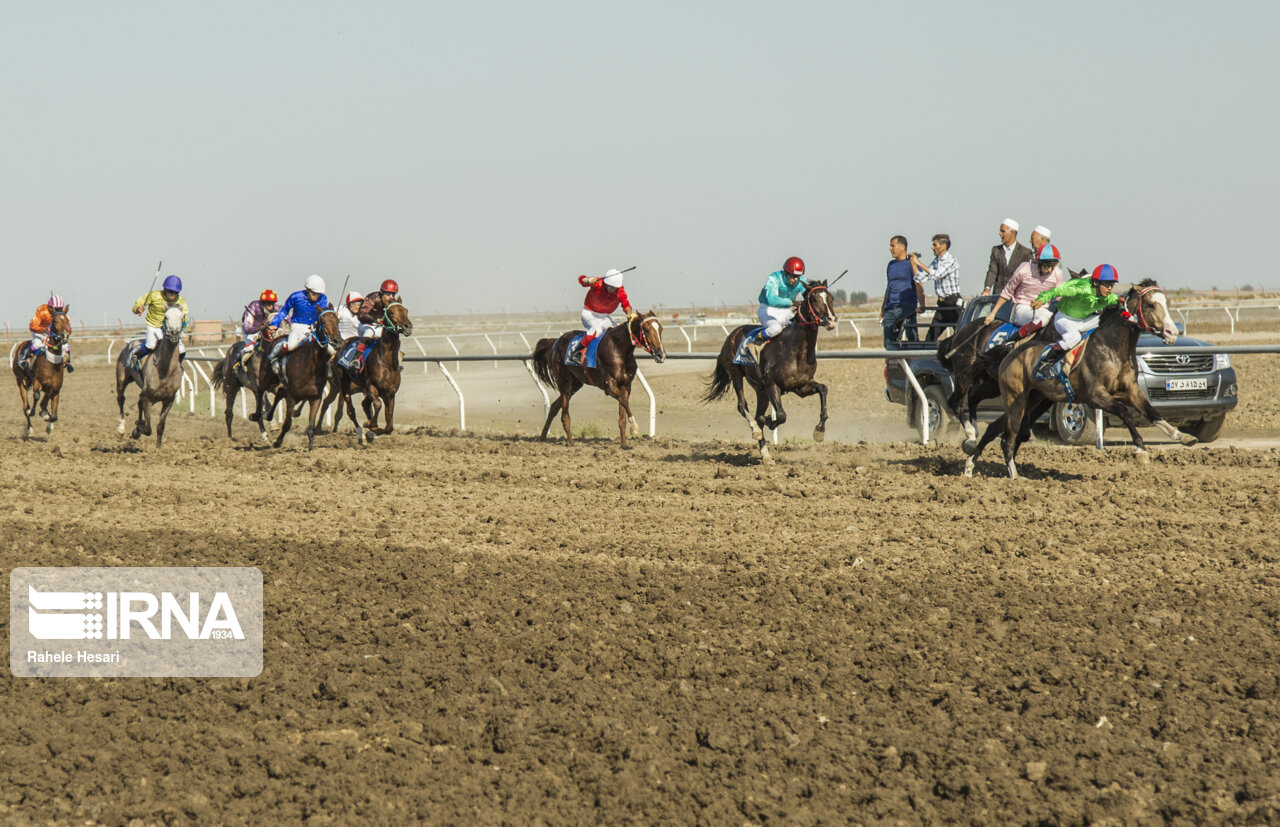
(482, 628)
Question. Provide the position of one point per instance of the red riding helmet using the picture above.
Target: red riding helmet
(390, 286)
(269, 296)
(794, 266)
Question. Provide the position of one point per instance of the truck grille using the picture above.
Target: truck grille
(1168, 363)
(1161, 394)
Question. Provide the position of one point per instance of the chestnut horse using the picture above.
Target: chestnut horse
(787, 365)
(1106, 376)
(379, 380)
(616, 367)
(306, 373)
(45, 376)
(159, 378)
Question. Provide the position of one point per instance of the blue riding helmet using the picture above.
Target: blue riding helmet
(172, 283)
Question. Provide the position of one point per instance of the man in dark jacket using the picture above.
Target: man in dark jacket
(1005, 258)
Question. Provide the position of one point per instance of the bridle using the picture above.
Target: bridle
(171, 334)
(806, 314)
(54, 338)
(1141, 320)
(386, 317)
(642, 340)
(317, 330)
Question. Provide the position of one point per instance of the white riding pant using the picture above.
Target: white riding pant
(1022, 314)
(774, 318)
(369, 331)
(1072, 330)
(297, 333)
(155, 336)
(596, 323)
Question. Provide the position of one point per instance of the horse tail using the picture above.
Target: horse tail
(543, 359)
(718, 384)
(944, 348)
(216, 377)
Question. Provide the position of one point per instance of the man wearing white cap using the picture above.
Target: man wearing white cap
(603, 297)
(1005, 258)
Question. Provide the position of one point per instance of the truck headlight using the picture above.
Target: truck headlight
(1221, 361)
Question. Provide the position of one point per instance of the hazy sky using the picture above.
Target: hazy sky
(485, 154)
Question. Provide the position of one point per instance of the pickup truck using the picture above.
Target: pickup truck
(1194, 392)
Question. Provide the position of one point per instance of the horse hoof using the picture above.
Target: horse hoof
(968, 468)
(45, 416)
(1187, 439)
(120, 427)
(1142, 456)
(969, 446)
(819, 435)
(1013, 471)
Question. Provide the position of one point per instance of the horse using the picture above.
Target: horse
(1106, 376)
(616, 368)
(158, 380)
(306, 373)
(787, 365)
(231, 377)
(379, 380)
(45, 375)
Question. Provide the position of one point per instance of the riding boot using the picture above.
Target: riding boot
(1047, 359)
(1026, 330)
(70, 367)
(26, 362)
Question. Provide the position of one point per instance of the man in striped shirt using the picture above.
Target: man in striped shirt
(944, 271)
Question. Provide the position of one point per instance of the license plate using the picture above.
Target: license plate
(1186, 384)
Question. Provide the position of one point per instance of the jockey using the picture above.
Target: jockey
(155, 304)
(778, 298)
(1081, 302)
(369, 313)
(256, 315)
(41, 322)
(1027, 283)
(603, 297)
(348, 324)
(302, 309)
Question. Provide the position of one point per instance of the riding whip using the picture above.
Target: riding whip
(837, 278)
(159, 264)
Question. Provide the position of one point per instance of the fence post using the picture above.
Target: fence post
(462, 403)
(653, 404)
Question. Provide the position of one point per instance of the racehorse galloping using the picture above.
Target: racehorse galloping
(1106, 376)
(45, 377)
(379, 380)
(787, 365)
(158, 380)
(228, 376)
(306, 373)
(616, 367)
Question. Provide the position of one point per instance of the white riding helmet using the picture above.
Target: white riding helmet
(353, 296)
(613, 278)
(315, 284)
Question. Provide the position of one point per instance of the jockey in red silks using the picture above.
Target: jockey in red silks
(603, 297)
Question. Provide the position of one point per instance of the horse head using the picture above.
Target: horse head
(1148, 307)
(59, 330)
(172, 324)
(326, 329)
(395, 318)
(646, 332)
(818, 307)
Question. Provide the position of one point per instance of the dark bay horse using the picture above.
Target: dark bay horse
(45, 377)
(306, 373)
(787, 365)
(158, 380)
(231, 377)
(1106, 376)
(379, 380)
(616, 362)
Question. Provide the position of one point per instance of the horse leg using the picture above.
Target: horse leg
(351, 413)
(565, 421)
(389, 406)
(624, 414)
(122, 380)
(22, 390)
(335, 389)
(551, 415)
(164, 414)
(1125, 413)
(736, 379)
(775, 399)
(288, 419)
(374, 404)
(51, 405)
(313, 414)
(809, 389)
(1138, 401)
(762, 405)
(1012, 430)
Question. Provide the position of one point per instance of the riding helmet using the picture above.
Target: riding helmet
(1048, 254)
(315, 284)
(1106, 273)
(794, 266)
(352, 297)
(57, 303)
(172, 283)
(268, 296)
(390, 286)
(613, 278)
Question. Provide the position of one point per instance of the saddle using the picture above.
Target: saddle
(743, 355)
(998, 336)
(352, 358)
(1062, 368)
(574, 356)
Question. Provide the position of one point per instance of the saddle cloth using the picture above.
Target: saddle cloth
(999, 336)
(573, 353)
(347, 359)
(743, 356)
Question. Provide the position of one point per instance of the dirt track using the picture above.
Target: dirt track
(483, 628)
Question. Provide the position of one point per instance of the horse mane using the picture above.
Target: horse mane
(1147, 282)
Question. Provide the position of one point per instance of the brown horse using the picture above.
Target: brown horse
(230, 376)
(1106, 376)
(158, 379)
(306, 373)
(44, 378)
(787, 365)
(379, 380)
(616, 368)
